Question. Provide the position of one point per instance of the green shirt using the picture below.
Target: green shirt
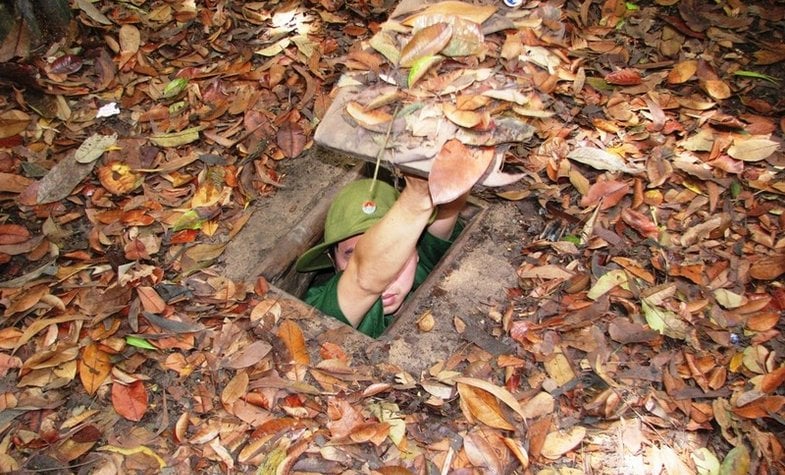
(325, 295)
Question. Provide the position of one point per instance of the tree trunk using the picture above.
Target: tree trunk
(29, 25)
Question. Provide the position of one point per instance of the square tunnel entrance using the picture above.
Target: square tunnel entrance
(469, 282)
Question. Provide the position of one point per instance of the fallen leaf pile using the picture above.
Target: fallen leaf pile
(648, 315)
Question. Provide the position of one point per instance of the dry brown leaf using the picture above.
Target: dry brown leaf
(624, 77)
(752, 149)
(292, 336)
(94, 367)
(480, 447)
(717, 89)
(501, 393)
(151, 301)
(426, 42)
(483, 407)
(130, 401)
(468, 11)
(560, 442)
(371, 120)
(235, 388)
(773, 380)
(466, 118)
(768, 267)
(683, 71)
(541, 404)
(456, 169)
(611, 192)
(13, 122)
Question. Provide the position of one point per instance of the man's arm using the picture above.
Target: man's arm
(383, 250)
(446, 217)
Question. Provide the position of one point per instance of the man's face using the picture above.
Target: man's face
(395, 293)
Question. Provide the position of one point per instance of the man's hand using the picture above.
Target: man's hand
(416, 194)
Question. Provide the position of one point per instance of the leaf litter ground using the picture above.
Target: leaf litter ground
(648, 315)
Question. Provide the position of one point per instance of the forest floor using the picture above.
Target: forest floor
(647, 318)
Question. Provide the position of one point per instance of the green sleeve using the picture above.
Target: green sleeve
(431, 249)
(325, 298)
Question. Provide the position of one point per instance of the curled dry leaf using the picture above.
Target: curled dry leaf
(118, 178)
(466, 118)
(427, 42)
(483, 407)
(371, 120)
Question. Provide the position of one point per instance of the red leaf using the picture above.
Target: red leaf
(291, 139)
(13, 234)
(624, 77)
(130, 401)
(66, 64)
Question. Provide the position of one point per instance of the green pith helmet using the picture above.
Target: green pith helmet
(353, 211)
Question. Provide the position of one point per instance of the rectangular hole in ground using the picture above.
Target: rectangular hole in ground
(297, 283)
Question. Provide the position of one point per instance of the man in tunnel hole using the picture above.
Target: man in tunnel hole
(382, 245)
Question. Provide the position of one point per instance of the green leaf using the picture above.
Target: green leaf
(737, 462)
(735, 189)
(753, 74)
(175, 87)
(421, 66)
(664, 321)
(139, 342)
(191, 219)
(705, 461)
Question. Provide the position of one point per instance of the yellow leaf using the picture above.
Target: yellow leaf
(134, 450)
(175, 139)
